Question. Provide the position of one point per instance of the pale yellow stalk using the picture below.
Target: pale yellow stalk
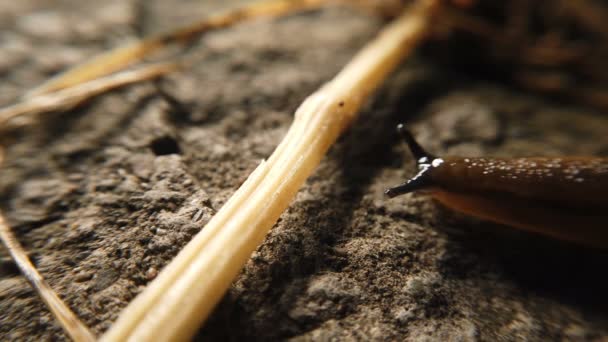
(69, 97)
(174, 305)
(123, 56)
(67, 319)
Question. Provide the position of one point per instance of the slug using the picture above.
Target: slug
(560, 197)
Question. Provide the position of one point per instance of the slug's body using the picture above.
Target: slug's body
(562, 197)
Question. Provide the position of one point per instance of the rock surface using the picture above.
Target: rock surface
(103, 196)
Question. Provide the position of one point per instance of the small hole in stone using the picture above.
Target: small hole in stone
(341, 104)
(8, 268)
(165, 145)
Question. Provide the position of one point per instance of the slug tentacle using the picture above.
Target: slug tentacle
(425, 162)
(418, 152)
(417, 183)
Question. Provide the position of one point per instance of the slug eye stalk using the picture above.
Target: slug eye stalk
(424, 160)
(421, 155)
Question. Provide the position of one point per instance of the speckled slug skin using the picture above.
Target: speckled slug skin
(561, 197)
(576, 182)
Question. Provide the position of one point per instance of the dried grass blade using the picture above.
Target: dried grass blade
(123, 56)
(182, 296)
(68, 320)
(66, 98)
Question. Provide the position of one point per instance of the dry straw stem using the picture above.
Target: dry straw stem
(72, 96)
(68, 320)
(174, 305)
(123, 56)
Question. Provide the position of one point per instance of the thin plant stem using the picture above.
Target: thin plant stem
(67, 319)
(175, 304)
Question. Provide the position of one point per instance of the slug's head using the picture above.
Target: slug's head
(425, 161)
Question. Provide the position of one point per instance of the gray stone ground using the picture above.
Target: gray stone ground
(105, 195)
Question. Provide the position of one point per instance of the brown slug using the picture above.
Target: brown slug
(561, 197)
